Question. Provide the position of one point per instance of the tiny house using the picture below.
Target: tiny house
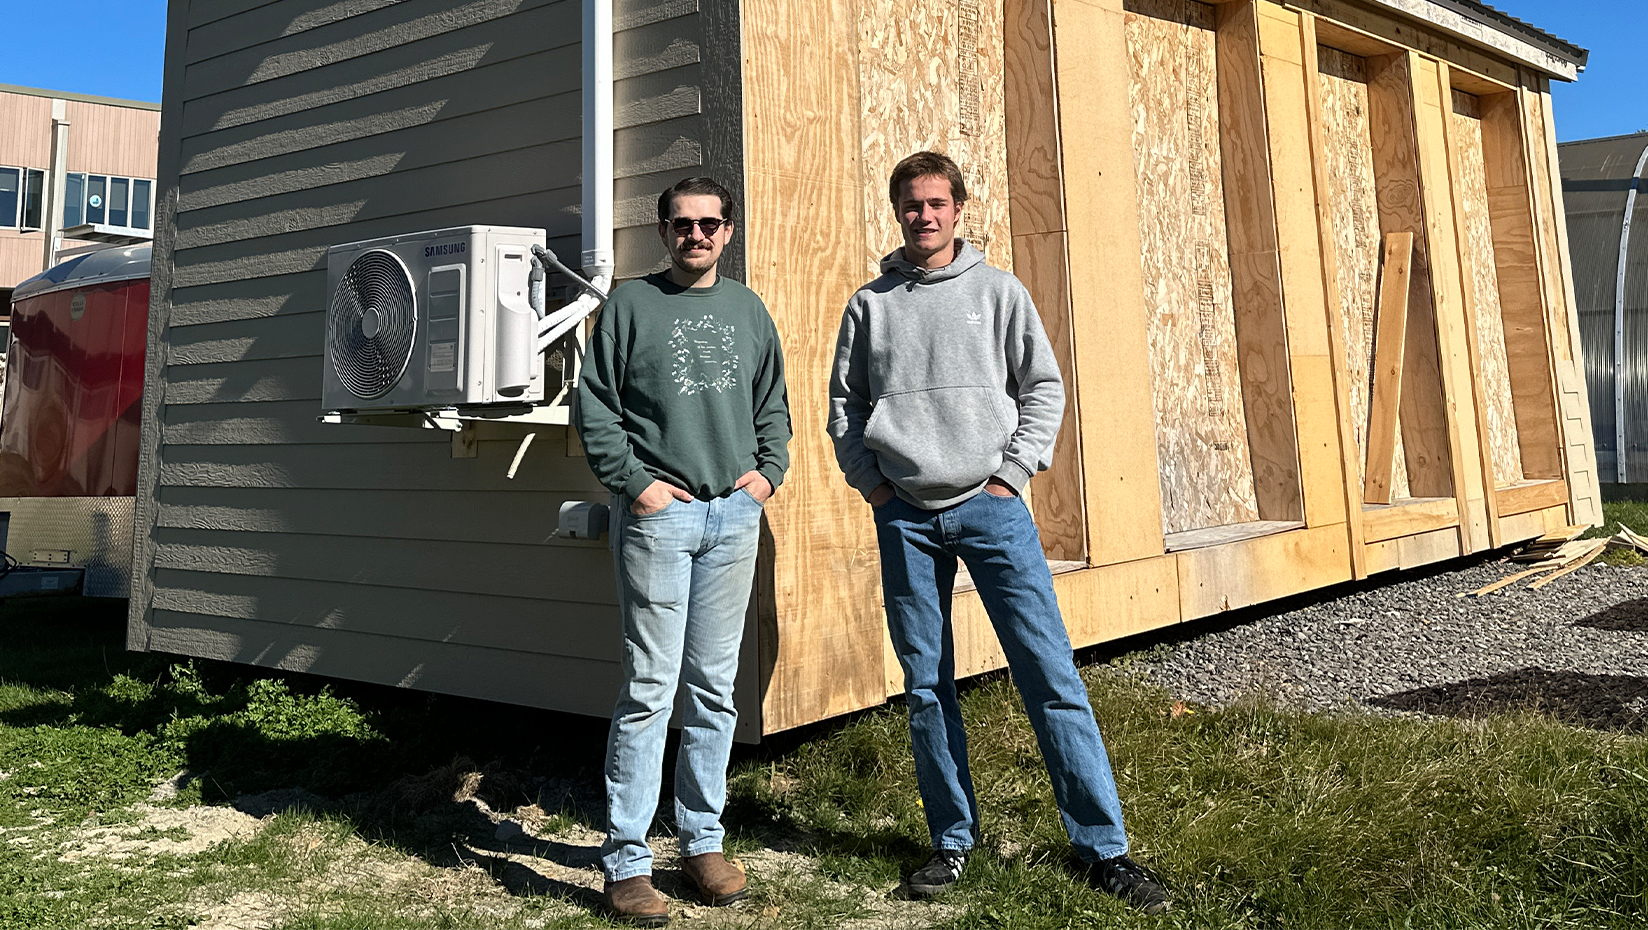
(1303, 264)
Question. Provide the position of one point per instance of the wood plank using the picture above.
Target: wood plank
(1251, 222)
(1343, 382)
(1461, 432)
(1262, 569)
(819, 614)
(1499, 460)
(1407, 552)
(1408, 518)
(1316, 424)
(1042, 263)
(1390, 342)
(1574, 565)
(1114, 396)
(1534, 495)
(1224, 535)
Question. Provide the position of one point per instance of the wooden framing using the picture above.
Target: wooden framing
(1079, 226)
(1169, 179)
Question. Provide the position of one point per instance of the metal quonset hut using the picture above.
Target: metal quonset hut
(1600, 184)
(1303, 265)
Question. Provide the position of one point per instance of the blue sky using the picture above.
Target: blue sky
(113, 48)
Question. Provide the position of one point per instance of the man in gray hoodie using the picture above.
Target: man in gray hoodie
(944, 400)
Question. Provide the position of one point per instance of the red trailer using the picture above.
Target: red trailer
(69, 424)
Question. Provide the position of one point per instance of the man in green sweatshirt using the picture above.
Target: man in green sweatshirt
(684, 417)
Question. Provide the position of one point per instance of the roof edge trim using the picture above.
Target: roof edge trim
(78, 98)
(1486, 27)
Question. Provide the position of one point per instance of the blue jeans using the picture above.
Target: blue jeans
(997, 540)
(684, 576)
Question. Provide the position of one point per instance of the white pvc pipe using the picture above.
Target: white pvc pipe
(1619, 321)
(597, 257)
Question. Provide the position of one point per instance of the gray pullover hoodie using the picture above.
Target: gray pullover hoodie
(943, 379)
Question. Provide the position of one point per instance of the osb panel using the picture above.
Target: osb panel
(1348, 144)
(931, 78)
(1483, 280)
(1201, 433)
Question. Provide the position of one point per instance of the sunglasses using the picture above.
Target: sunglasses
(683, 225)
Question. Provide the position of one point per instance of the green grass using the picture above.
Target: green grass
(1261, 817)
(1633, 514)
(1258, 816)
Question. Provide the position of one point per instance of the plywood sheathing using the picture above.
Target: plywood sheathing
(1348, 149)
(930, 76)
(1206, 469)
(1482, 287)
(1432, 88)
(1516, 260)
(1402, 208)
(1041, 258)
(819, 617)
(1263, 343)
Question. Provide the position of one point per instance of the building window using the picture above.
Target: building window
(74, 199)
(113, 201)
(34, 198)
(97, 195)
(22, 197)
(11, 184)
(141, 199)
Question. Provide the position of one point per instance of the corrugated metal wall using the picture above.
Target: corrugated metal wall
(370, 552)
(1596, 183)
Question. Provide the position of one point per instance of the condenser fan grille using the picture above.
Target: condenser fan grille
(373, 321)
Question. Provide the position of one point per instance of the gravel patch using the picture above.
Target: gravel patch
(1576, 649)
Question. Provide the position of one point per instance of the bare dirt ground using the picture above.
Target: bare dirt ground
(496, 859)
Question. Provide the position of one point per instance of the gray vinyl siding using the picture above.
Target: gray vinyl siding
(373, 553)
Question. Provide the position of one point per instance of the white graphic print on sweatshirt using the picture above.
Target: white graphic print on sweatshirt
(704, 355)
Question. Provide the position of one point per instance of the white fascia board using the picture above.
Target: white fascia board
(1484, 34)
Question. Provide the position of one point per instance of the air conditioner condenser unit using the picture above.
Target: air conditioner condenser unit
(432, 319)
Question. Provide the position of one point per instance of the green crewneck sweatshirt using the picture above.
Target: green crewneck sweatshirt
(685, 385)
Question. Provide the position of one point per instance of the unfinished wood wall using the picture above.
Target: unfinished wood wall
(1482, 282)
(930, 76)
(1348, 147)
(1206, 464)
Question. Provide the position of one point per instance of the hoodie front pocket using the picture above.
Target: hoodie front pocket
(938, 440)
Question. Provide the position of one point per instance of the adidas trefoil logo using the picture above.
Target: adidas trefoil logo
(975, 319)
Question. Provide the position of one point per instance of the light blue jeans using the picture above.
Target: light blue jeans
(684, 576)
(997, 540)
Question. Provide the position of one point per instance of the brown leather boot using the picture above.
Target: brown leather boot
(720, 880)
(635, 901)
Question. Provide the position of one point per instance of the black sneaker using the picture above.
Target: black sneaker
(1131, 882)
(942, 871)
